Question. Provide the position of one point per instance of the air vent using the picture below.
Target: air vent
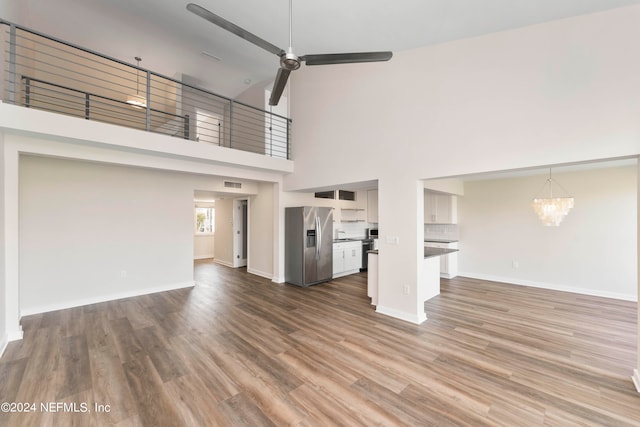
(230, 184)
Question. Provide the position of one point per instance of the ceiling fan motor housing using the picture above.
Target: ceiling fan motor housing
(290, 61)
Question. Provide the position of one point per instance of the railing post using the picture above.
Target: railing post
(148, 118)
(230, 123)
(186, 126)
(86, 106)
(12, 63)
(27, 92)
(270, 136)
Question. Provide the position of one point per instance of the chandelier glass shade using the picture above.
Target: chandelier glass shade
(551, 210)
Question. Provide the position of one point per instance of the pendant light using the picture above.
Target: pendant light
(552, 210)
(136, 100)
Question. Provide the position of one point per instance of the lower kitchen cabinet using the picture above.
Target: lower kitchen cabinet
(448, 263)
(347, 258)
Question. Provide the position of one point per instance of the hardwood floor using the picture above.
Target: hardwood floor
(238, 350)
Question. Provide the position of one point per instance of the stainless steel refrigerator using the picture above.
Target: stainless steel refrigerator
(308, 246)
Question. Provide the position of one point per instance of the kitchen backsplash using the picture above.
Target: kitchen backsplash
(441, 231)
(352, 229)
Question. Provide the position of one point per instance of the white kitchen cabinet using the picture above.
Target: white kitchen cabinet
(440, 208)
(352, 215)
(372, 206)
(347, 258)
(449, 262)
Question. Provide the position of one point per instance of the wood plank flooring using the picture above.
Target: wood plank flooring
(238, 350)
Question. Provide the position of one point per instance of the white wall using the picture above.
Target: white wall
(593, 251)
(92, 232)
(11, 10)
(224, 232)
(3, 253)
(203, 246)
(548, 94)
(557, 92)
(262, 219)
(89, 232)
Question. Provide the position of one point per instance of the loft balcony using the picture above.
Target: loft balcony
(45, 73)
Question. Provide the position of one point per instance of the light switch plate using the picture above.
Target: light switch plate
(393, 240)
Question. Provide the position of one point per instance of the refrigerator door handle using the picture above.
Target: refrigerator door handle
(318, 237)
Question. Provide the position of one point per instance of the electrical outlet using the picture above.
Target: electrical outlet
(123, 273)
(405, 289)
(515, 264)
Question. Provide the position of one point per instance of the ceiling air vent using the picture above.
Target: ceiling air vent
(231, 184)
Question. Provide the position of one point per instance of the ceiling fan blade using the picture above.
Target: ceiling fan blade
(346, 58)
(278, 85)
(233, 28)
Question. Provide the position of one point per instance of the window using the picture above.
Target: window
(205, 220)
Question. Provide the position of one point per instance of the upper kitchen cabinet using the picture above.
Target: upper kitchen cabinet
(440, 208)
(372, 206)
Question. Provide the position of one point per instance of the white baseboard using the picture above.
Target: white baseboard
(15, 335)
(204, 257)
(260, 273)
(225, 263)
(104, 298)
(8, 337)
(407, 317)
(3, 344)
(636, 380)
(346, 273)
(278, 280)
(550, 286)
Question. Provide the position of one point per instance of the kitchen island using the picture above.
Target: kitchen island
(430, 286)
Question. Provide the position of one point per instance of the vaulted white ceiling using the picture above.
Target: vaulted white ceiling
(170, 39)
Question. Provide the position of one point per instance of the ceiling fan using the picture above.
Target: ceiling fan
(289, 61)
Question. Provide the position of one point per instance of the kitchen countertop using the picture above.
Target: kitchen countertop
(440, 240)
(350, 239)
(428, 252)
(431, 252)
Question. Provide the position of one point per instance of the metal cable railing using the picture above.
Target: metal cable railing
(45, 73)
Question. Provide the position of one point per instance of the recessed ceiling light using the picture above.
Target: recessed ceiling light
(211, 55)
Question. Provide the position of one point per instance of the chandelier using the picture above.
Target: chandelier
(136, 100)
(552, 210)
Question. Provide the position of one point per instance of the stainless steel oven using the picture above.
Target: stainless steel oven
(368, 243)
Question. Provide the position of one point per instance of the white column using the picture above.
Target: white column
(636, 372)
(278, 234)
(10, 237)
(401, 253)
